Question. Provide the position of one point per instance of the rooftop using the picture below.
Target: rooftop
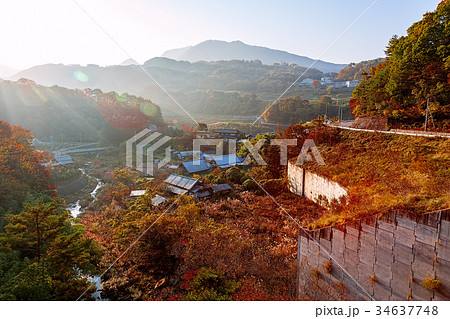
(196, 166)
(179, 181)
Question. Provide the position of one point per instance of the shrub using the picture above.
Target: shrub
(250, 185)
(431, 284)
(316, 273)
(328, 266)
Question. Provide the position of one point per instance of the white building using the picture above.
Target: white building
(352, 84)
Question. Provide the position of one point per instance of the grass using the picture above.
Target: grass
(384, 172)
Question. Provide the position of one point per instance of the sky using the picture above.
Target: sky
(59, 31)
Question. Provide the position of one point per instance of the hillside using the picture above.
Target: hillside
(417, 68)
(382, 172)
(71, 115)
(355, 71)
(214, 50)
(185, 80)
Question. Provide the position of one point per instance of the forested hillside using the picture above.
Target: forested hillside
(356, 71)
(44, 254)
(417, 68)
(71, 115)
(190, 83)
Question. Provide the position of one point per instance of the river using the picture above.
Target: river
(75, 209)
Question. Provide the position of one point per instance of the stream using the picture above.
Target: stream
(75, 209)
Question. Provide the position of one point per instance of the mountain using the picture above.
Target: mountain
(178, 77)
(129, 62)
(214, 50)
(6, 71)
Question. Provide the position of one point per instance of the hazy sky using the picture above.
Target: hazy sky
(57, 31)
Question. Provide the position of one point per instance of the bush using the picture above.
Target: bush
(250, 185)
(431, 284)
(209, 284)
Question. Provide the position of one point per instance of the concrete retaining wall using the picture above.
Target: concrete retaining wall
(315, 187)
(399, 250)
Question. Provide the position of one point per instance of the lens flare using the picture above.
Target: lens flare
(80, 76)
(148, 109)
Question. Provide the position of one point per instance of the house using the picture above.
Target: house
(221, 188)
(202, 134)
(63, 160)
(179, 184)
(196, 166)
(306, 82)
(325, 80)
(339, 84)
(225, 161)
(185, 154)
(227, 134)
(158, 199)
(352, 84)
(137, 193)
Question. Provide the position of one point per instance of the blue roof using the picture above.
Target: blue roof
(196, 166)
(230, 160)
(63, 160)
(180, 181)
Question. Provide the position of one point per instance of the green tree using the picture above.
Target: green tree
(53, 249)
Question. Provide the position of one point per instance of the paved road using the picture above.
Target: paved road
(412, 133)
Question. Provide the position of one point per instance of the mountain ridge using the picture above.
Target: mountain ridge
(216, 50)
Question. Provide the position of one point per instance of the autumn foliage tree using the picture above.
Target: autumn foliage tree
(416, 69)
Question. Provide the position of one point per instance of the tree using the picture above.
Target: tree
(316, 85)
(416, 68)
(202, 127)
(53, 249)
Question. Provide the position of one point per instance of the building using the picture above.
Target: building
(352, 84)
(158, 200)
(221, 188)
(224, 161)
(202, 134)
(186, 154)
(196, 166)
(339, 84)
(325, 80)
(227, 134)
(306, 82)
(137, 193)
(63, 160)
(179, 184)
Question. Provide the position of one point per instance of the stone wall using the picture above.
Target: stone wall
(389, 256)
(315, 187)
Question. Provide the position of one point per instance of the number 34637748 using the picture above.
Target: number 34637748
(407, 310)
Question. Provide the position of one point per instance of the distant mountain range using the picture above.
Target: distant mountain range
(214, 50)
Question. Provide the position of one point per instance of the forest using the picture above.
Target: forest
(75, 115)
(44, 252)
(416, 69)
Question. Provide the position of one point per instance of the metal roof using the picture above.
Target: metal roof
(138, 193)
(221, 187)
(180, 181)
(227, 131)
(158, 199)
(196, 166)
(64, 160)
(176, 190)
(224, 161)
